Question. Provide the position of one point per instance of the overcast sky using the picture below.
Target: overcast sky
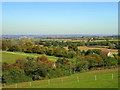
(38, 18)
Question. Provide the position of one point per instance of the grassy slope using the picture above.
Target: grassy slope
(10, 57)
(86, 80)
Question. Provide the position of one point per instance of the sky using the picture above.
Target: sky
(38, 18)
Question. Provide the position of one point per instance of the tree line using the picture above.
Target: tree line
(110, 44)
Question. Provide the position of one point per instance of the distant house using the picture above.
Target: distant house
(108, 53)
(90, 40)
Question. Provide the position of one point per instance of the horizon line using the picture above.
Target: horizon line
(54, 34)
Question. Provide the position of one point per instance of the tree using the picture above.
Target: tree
(73, 47)
(65, 65)
(37, 70)
(5, 67)
(28, 44)
(14, 48)
(117, 45)
(21, 61)
(111, 61)
(6, 45)
(94, 60)
(110, 45)
(97, 51)
(80, 58)
(93, 51)
(30, 58)
(28, 50)
(15, 74)
(58, 51)
(89, 52)
(35, 49)
(27, 47)
(81, 66)
(38, 49)
(71, 54)
(50, 51)
(63, 61)
(42, 58)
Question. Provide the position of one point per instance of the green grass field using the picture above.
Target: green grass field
(107, 78)
(10, 57)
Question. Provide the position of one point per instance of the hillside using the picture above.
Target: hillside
(107, 78)
(10, 57)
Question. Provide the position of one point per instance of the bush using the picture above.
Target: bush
(37, 77)
(81, 66)
(42, 58)
(15, 74)
(21, 61)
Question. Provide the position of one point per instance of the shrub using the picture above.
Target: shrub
(42, 58)
(15, 74)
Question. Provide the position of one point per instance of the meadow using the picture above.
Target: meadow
(10, 57)
(107, 78)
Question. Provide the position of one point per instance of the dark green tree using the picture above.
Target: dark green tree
(73, 47)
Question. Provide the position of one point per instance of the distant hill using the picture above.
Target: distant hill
(56, 35)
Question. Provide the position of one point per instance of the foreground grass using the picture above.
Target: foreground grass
(10, 57)
(103, 79)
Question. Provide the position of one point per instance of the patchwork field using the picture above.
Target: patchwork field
(107, 78)
(113, 51)
(101, 48)
(10, 57)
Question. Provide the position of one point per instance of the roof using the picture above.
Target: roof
(105, 51)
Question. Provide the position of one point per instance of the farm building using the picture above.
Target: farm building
(107, 52)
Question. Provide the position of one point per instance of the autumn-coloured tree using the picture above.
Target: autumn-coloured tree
(42, 58)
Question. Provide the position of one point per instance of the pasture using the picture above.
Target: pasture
(107, 78)
(10, 57)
